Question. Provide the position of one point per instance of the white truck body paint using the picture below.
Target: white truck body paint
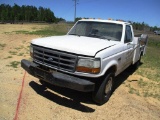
(111, 53)
(74, 44)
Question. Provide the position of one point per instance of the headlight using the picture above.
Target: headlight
(31, 51)
(89, 65)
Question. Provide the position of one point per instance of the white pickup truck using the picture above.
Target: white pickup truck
(88, 57)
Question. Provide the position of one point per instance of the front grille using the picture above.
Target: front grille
(54, 59)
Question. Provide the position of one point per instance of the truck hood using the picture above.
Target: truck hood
(74, 44)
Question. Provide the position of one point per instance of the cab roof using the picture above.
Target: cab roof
(107, 21)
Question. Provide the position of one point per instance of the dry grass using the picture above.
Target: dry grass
(148, 80)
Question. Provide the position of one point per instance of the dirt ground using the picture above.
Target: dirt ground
(55, 103)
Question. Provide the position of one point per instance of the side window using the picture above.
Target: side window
(128, 34)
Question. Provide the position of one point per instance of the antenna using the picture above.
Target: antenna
(75, 9)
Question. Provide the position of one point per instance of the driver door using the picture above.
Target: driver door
(129, 46)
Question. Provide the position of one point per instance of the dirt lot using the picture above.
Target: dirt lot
(40, 103)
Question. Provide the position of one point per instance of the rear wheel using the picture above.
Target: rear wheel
(103, 89)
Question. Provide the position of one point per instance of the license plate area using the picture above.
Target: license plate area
(45, 75)
(40, 73)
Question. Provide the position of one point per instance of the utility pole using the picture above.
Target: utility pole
(75, 5)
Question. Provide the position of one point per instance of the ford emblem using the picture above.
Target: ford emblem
(50, 59)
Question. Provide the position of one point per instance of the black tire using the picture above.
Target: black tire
(103, 90)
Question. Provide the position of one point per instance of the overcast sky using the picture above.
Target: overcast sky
(147, 11)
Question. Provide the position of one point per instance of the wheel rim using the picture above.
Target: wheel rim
(108, 86)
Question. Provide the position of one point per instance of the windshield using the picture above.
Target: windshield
(109, 31)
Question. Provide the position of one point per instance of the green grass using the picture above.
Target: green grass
(145, 88)
(8, 57)
(20, 54)
(141, 83)
(7, 32)
(21, 32)
(13, 52)
(2, 46)
(151, 61)
(14, 64)
(17, 51)
(133, 90)
(150, 69)
(51, 30)
(19, 48)
(47, 32)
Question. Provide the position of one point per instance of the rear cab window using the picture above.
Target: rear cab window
(128, 34)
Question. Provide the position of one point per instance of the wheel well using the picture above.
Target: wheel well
(112, 69)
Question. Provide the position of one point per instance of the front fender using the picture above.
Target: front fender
(107, 64)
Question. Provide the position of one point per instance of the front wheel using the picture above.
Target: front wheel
(103, 90)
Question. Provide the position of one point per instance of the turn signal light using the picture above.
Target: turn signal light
(88, 70)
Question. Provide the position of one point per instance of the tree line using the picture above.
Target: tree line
(26, 13)
(144, 26)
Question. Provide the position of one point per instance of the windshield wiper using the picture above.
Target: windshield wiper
(74, 34)
(102, 37)
(97, 36)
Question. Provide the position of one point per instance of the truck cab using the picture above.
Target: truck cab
(87, 58)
